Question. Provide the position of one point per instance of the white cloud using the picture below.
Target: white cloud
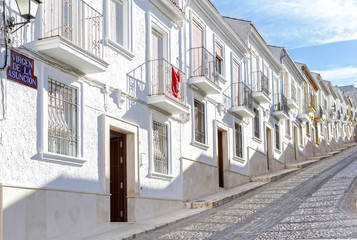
(340, 76)
(297, 23)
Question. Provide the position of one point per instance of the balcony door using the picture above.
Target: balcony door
(255, 73)
(157, 63)
(238, 97)
(197, 44)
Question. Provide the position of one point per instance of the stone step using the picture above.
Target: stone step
(272, 176)
(223, 196)
(300, 164)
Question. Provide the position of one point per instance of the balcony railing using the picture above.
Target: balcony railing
(303, 107)
(293, 95)
(242, 95)
(260, 83)
(280, 103)
(164, 83)
(312, 102)
(75, 21)
(204, 64)
(319, 112)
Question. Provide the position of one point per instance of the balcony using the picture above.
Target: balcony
(331, 115)
(204, 71)
(292, 103)
(72, 34)
(260, 87)
(242, 100)
(312, 104)
(303, 112)
(338, 117)
(280, 107)
(318, 115)
(167, 87)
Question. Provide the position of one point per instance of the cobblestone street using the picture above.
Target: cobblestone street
(315, 202)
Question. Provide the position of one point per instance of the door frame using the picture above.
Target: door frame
(131, 131)
(123, 198)
(219, 126)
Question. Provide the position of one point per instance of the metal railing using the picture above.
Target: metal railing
(280, 103)
(319, 112)
(260, 82)
(312, 102)
(75, 21)
(204, 64)
(242, 95)
(303, 107)
(162, 81)
(293, 95)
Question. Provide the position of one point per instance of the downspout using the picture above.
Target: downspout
(183, 38)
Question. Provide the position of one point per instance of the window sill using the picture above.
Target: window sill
(277, 151)
(238, 159)
(160, 176)
(257, 140)
(121, 49)
(47, 156)
(200, 145)
(288, 137)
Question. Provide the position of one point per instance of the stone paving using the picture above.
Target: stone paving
(314, 203)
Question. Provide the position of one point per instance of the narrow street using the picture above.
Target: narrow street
(315, 202)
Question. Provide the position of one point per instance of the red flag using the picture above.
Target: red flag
(174, 82)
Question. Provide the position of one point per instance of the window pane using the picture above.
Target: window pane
(199, 122)
(239, 140)
(277, 136)
(160, 147)
(62, 118)
(116, 22)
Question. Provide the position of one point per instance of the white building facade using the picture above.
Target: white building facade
(122, 110)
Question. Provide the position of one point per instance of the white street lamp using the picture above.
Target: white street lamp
(28, 8)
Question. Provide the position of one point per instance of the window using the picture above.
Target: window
(62, 119)
(256, 123)
(160, 147)
(116, 21)
(277, 136)
(118, 25)
(287, 127)
(199, 122)
(219, 58)
(316, 133)
(301, 136)
(308, 128)
(239, 140)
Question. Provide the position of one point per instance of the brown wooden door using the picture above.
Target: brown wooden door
(118, 198)
(220, 159)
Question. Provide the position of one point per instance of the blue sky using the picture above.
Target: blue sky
(320, 33)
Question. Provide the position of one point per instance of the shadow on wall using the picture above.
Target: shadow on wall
(45, 213)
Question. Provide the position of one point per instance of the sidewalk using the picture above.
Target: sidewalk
(131, 230)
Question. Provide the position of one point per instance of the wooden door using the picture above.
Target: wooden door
(118, 197)
(220, 159)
